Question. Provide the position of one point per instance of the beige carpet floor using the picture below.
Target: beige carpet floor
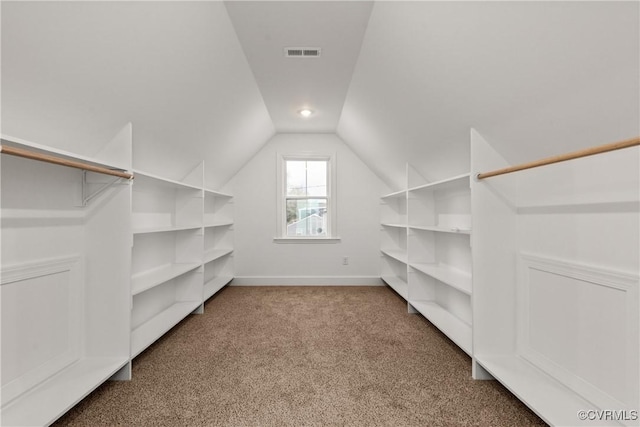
(302, 356)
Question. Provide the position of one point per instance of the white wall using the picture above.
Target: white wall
(258, 260)
(565, 275)
(536, 78)
(74, 73)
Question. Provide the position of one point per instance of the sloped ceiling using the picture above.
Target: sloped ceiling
(288, 85)
(534, 78)
(74, 73)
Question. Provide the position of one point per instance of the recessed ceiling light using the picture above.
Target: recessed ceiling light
(305, 112)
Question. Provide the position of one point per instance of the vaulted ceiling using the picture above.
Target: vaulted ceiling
(397, 81)
(290, 84)
(74, 73)
(534, 78)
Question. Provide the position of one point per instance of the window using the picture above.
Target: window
(306, 198)
(306, 207)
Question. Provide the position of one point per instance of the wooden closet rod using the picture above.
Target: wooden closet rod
(627, 143)
(13, 151)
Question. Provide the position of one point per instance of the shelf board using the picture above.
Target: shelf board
(51, 399)
(19, 143)
(141, 176)
(164, 229)
(149, 279)
(214, 285)
(76, 214)
(394, 195)
(217, 193)
(214, 254)
(398, 285)
(395, 254)
(224, 223)
(454, 230)
(449, 276)
(458, 331)
(395, 225)
(445, 183)
(147, 333)
(555, 403)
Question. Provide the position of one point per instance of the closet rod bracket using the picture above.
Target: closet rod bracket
(87, 196)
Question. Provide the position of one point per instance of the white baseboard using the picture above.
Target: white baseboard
(306, 281)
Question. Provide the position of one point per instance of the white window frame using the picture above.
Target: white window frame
(281, 228)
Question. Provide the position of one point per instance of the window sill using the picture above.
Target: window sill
(306, 240)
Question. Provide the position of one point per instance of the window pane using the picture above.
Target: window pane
(306, 178)
(307, 217)
(317, 178)
(296, 178)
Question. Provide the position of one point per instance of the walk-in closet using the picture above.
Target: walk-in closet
(309, 213)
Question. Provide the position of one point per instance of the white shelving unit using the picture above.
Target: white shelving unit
(457, 279)
(166, 273)
(164, 205)
(182, 251)
(105, 265)
(217, 274)
(218, 209)
(394, 209)
(218, 241)
(161, 310)
(426, 252)
(65, 280)
(158, 276)
(439, 252)
(393, 241)
(457, 330)
(442, 206)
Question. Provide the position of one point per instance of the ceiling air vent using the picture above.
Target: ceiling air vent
(302, 52)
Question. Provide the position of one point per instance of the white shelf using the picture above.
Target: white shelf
(149, 279)
(140, 176)
(212, 224)
(52, 398)
(458, 331)
(214, 285)
(398, 285)
(395, 254)
(214, 254)
(164, 229)
(394, 195)
(167, 220)
(450, 276)
(147, 333)
(549, 399)
(394, 225)
(434, 214)
(17, 142)
(444, 184)
(218, 193)
(162, 203)
(78, 214)
(454, 230)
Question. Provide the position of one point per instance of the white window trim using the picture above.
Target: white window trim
(332, 232)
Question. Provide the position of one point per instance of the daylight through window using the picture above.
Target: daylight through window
(307, 198)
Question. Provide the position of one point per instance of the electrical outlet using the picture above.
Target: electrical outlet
(345, 260)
